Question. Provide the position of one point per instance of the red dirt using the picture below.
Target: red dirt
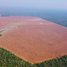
(33, 39)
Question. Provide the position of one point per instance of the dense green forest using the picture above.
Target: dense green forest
(8, 59)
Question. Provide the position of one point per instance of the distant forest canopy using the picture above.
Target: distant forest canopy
(53, 15)
(5, 15)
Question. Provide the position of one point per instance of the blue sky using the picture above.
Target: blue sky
(58, 4)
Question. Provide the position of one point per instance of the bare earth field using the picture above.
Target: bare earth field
(32, 38)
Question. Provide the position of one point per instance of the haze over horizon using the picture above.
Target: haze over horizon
(50, 4)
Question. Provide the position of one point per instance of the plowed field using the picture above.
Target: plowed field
(32, 38)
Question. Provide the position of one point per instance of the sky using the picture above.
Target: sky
(52, 4)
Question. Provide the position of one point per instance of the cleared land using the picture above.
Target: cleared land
(33, 39)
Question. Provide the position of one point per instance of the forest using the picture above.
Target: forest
(8, 59)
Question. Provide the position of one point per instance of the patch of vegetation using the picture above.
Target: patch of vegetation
(7, 59)
(0, 35)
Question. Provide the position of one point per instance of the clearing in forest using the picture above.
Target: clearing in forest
(33, 39)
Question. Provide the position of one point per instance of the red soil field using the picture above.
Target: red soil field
(32, 38)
